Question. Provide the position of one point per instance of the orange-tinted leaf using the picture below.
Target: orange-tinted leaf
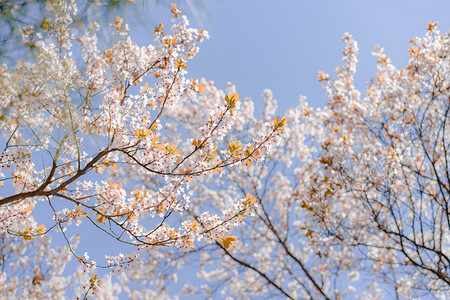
(41, 229)
(175, 10)
(431, 25)
(250, 200)
(229, 241)
(29, 208)
(200, 88)
(159, 28)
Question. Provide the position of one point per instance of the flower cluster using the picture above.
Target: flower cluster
(88, 137)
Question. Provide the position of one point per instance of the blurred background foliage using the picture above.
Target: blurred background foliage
(16, 14)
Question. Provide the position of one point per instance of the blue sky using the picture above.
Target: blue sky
(281, 45)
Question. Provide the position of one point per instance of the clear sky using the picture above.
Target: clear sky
(281, 45)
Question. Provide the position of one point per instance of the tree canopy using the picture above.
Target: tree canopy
(345, 201)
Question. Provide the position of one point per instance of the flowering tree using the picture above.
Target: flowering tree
(15, 14)
(151, 133)
(382, 192)
(354, 203)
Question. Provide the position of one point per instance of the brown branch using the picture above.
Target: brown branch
(247, 265)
